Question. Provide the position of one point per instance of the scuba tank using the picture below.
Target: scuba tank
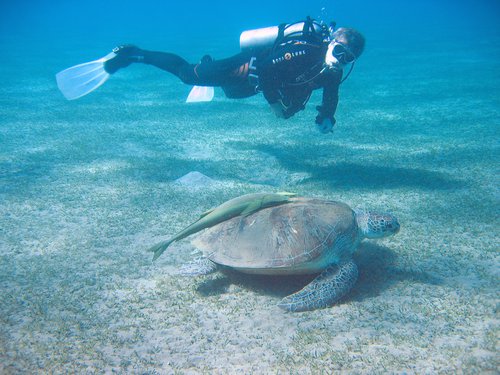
(258, 38)
(268, 37)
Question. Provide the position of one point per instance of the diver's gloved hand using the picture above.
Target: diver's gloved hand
(326, 126)
(125, 55)
(324, 123)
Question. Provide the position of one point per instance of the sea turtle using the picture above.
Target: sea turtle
(304, 236)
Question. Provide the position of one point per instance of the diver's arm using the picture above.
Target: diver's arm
(328, 107)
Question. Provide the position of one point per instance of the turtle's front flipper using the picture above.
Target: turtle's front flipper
(326, 289)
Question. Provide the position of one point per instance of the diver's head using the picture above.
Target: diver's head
(346, 46)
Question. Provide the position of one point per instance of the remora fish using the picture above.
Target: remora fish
(240, 206)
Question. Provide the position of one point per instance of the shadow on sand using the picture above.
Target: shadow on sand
(347, 175)
(376, 274)
(341, 168)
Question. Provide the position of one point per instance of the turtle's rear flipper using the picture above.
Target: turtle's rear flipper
(198, 267)
(326, 289)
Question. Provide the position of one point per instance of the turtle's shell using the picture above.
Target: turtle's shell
(304, 236)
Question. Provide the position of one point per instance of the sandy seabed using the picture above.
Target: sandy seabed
(85, 191)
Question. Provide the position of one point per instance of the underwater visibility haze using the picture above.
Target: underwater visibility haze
(88, 185)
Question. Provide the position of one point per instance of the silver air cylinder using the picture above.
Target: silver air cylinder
(266, 36)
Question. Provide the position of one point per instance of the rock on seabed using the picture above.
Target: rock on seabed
(195, 180)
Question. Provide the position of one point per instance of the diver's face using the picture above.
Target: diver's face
(338, 54)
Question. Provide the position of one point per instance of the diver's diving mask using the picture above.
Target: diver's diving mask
(338, 55)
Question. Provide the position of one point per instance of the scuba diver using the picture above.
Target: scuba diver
(285, 63)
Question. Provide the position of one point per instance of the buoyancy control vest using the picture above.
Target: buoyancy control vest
(292, 54)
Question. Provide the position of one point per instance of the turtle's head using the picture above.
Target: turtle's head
(376, 225)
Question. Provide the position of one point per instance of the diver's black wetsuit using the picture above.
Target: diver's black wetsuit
(287, 75)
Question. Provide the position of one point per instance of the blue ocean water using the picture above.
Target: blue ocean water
(86, 186)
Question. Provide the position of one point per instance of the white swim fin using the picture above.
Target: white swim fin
(200, 94)
(81, 79)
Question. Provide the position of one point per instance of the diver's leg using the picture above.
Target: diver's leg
(165, 61)
(128, 54)
(207, 73)
(231, 71)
